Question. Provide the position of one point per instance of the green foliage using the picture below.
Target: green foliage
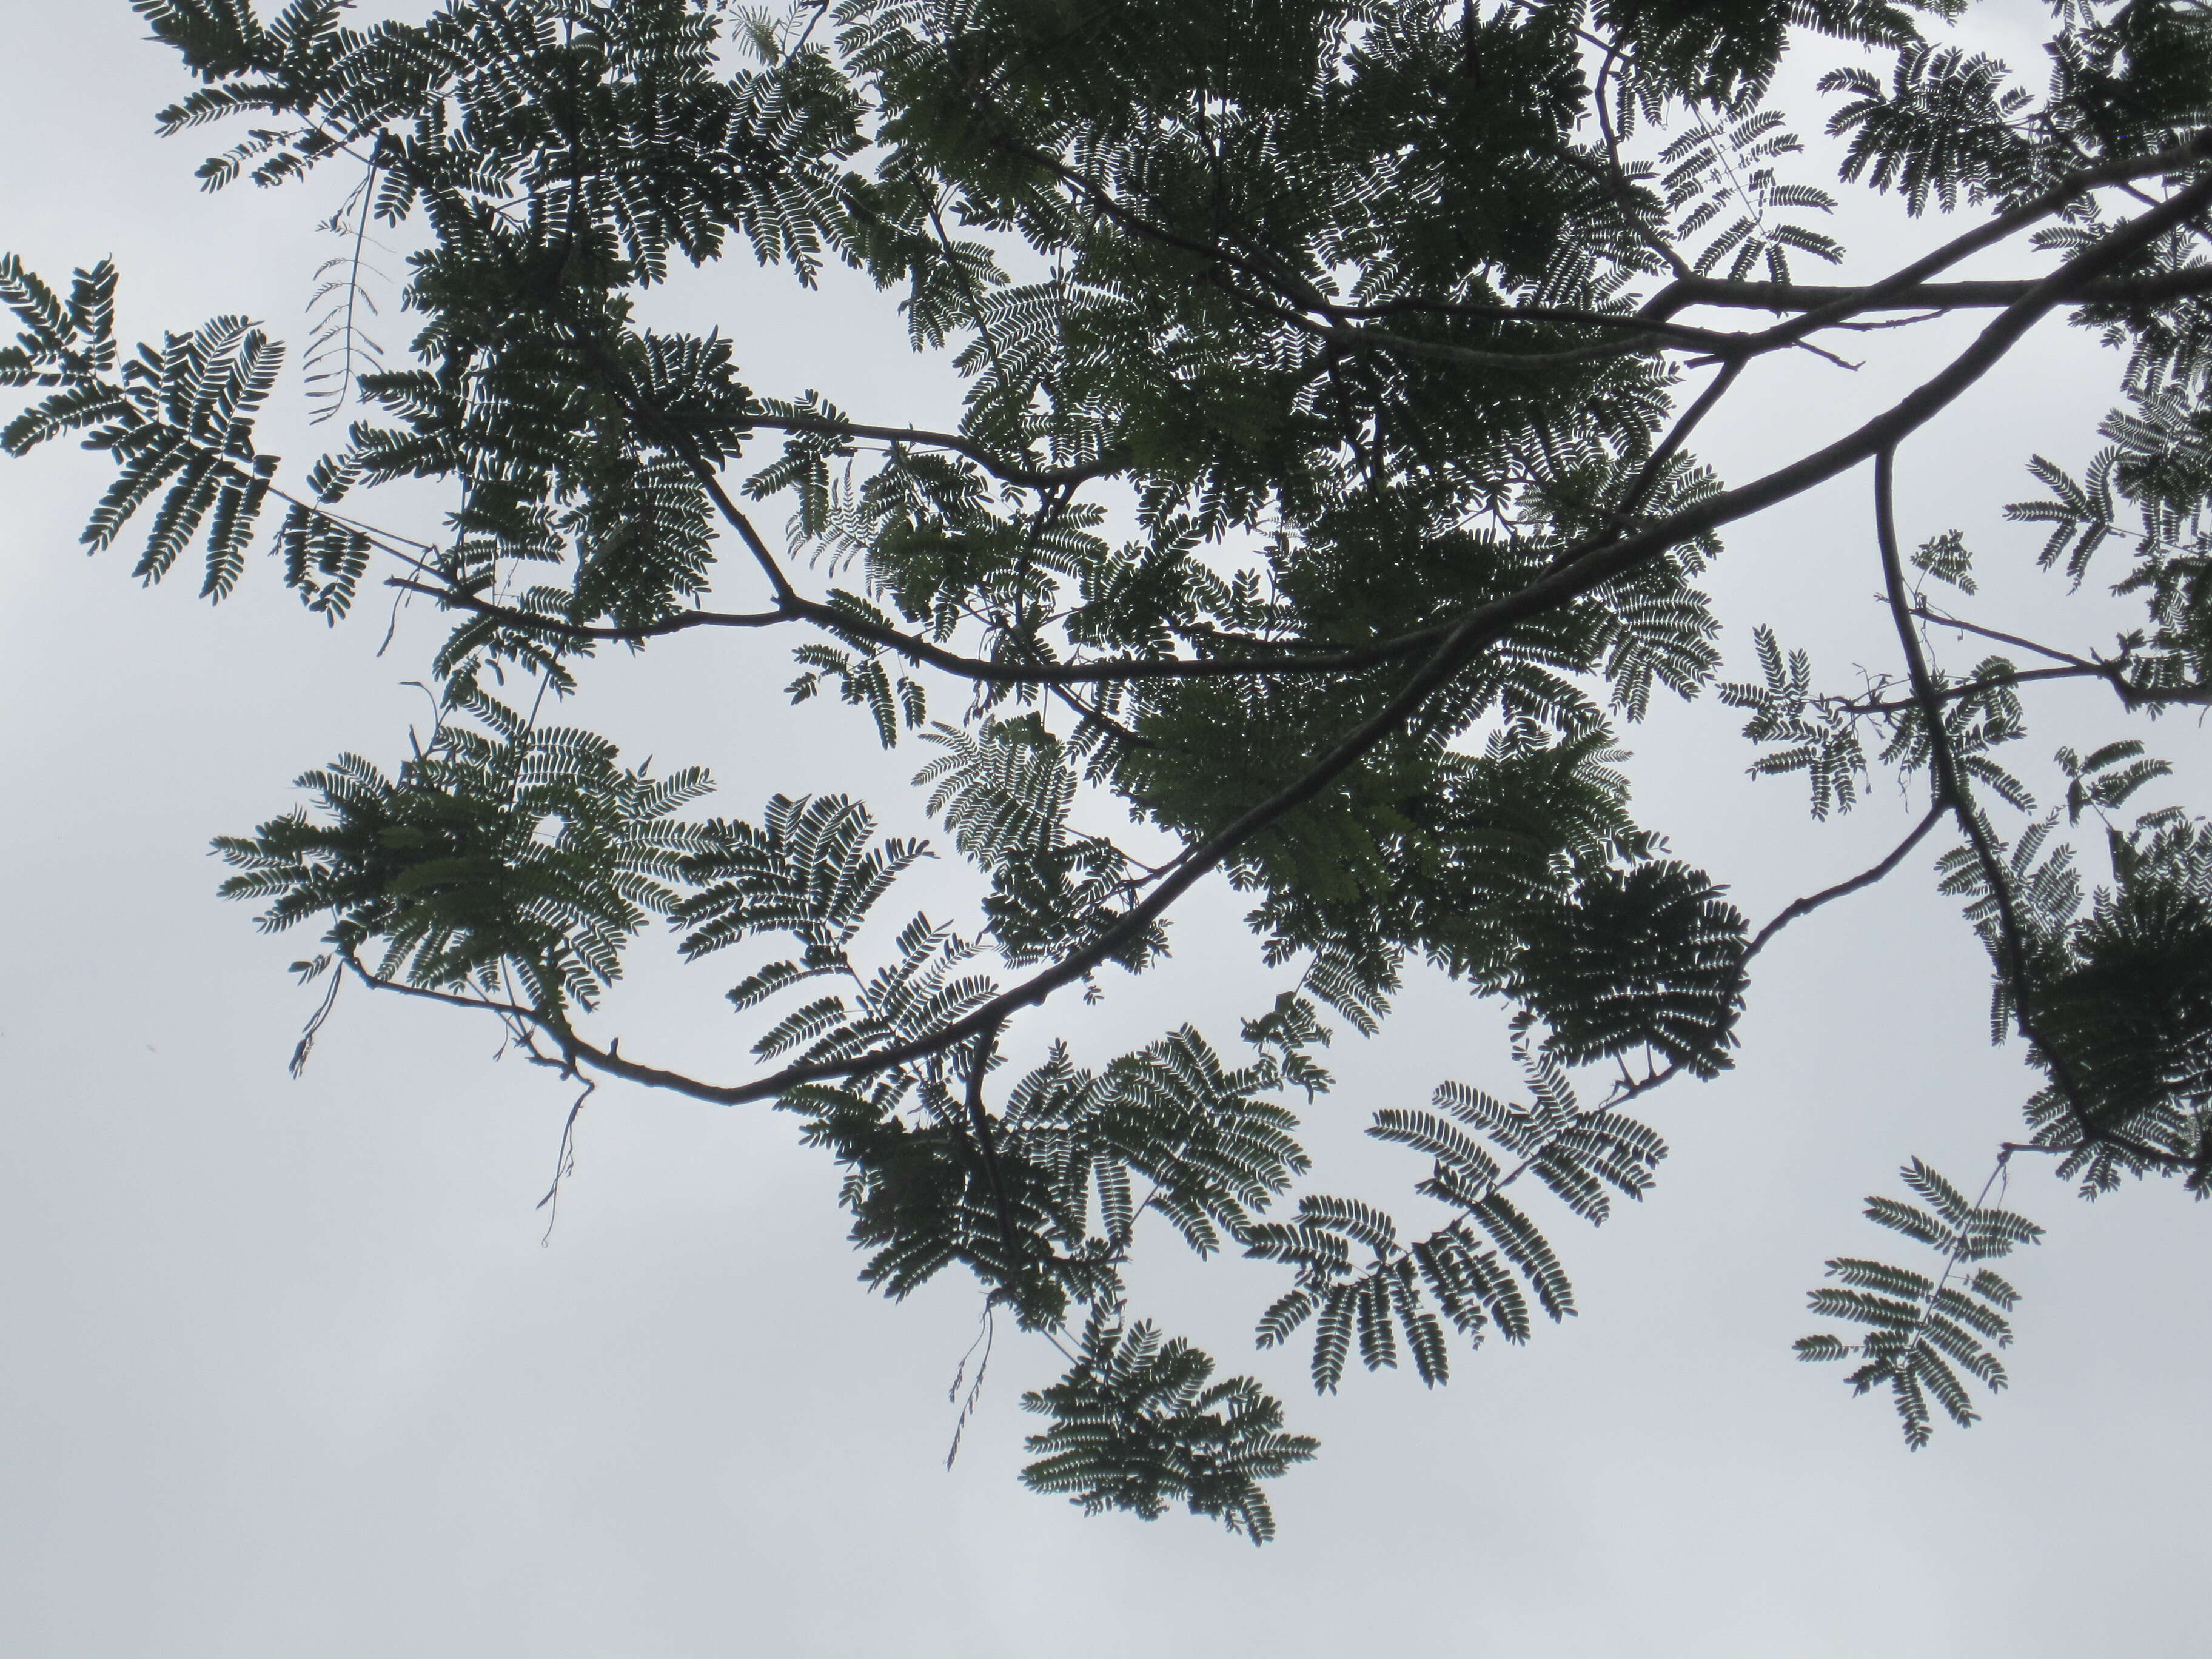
(808, 870)
(1923, 1331)
(1821, 743)
(1040, 1202)
(2125, 1002)
(1318, 505)
(1722, 181)
(1135, 1427)
(502, 858)
(1648, 957)
(2147, 487)
(1947, 558)
(1005, 792)
(1473, 1269)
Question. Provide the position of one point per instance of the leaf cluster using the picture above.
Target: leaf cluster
(1357, 1281)
(1923, 1331)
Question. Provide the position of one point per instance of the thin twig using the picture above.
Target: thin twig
(2108, 673)
(1797, 908)
(1628, 1088)
(1921, 610)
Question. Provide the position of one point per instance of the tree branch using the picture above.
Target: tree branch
(2192, 152)
(1596, 563)
(1951, 791)
(1921, 610)
(2127, 1143)
(1647, 479)
(1797, 909)
(1944, 693)
(1935, 298)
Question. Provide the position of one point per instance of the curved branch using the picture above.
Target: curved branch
(1931, 297)
(796, 608)
(1951, 792)
(2192, 152)
(1008, 472)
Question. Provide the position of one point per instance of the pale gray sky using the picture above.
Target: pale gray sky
(286, 1371)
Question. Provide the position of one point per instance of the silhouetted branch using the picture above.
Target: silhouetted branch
(1597, 562)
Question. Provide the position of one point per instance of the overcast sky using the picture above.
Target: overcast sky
(286, 1371)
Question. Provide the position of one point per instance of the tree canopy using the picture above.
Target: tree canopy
(1321, 504)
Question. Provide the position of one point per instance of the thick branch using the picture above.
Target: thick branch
(1924, 296)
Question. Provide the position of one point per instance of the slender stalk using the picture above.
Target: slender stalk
(1951, 790)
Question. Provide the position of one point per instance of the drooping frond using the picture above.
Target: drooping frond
(811, 868)
(505, 860)
(1137, 1426)
(1926, 1332)
(177, 419)
(1361, 1286)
